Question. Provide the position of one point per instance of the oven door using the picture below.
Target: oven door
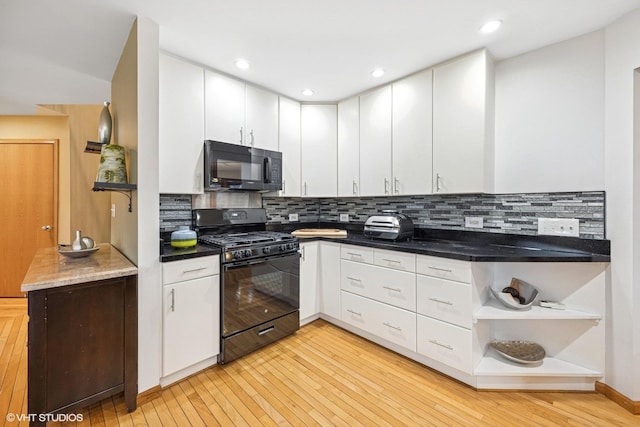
(257, 291)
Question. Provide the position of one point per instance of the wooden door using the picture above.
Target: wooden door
(28, 195)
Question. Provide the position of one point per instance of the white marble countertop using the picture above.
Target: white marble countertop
(49, 269)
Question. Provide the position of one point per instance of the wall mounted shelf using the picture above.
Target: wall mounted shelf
(125, 189)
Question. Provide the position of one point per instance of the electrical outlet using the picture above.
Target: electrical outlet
(559, 227)
(344, 217)
(293, 217)
(473, 222)
(113, 210)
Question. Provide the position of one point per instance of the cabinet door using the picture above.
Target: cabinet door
(459, 108)
(224, 109)
(181, 129)
(261, 118)
(319, 150)
(349, 147)
(290, 146)
(329, 273)
(309, 290)
(191, 323)
(375, 142)
(412, 134)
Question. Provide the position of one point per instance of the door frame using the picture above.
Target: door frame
(56, 177)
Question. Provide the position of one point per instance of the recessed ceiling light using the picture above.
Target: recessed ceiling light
(378, 72)
(307, 92)
(490, 26)
(243, 64)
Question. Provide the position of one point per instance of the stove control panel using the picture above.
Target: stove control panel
(236, 254)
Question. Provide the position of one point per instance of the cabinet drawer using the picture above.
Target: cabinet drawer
(357, 253)
(187, 269)
(388, 286)
(444, 300)
(445, 343)
(396, 260)
(391, 323)
(459, 271)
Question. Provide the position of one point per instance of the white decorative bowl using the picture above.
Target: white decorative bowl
(526, 291)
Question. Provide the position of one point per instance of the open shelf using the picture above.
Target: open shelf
(493, 310)
(125, 189)
(494, 365)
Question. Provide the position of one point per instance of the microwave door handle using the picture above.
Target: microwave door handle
(267, 170)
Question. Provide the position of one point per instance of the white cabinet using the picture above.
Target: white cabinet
(349, 147)
(191, 313)
(181, 126)
(319, 125)
(289, 145)
(261, 118)
(375, 142)
(329, 278)
(463, 125)
(412, 134)
(240, 114)
(309, 287)
(224, 108)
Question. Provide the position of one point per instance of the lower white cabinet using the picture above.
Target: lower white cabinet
(191, 313)
(446, 343)
(309, 289)
(390, 323)
(329, 278)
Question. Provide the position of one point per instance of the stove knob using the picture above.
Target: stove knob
(266, 250)
(237, 255)
(247, 253)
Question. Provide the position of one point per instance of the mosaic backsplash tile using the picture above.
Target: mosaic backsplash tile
(501, 213)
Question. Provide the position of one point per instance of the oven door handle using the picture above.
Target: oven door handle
(241, 264)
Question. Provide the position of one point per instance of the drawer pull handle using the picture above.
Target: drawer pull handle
(447, 270)
(448, 347)
(267, 330)
(441, 301)
(392, 289)
(353, 279)
(354, 254)
(193, 270)
(391, 260)
(354, 312)
(389, 325)
(173, 300)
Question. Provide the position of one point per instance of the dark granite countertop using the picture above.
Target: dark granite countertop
(169, 253)
(476, 246)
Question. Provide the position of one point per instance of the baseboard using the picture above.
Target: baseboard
(149, 395)
(632, 406)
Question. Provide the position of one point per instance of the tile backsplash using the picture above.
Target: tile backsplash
(501, 213)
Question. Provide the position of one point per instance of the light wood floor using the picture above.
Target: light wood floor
(323, 376)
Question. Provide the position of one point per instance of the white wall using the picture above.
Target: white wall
(622, 57)
(135, 106)
(549, 130)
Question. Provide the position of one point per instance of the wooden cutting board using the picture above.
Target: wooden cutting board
(320, 232)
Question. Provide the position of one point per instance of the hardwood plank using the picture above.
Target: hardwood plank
(322, 375)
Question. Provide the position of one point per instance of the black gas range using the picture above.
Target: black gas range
(260, 278)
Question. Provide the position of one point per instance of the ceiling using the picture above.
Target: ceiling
(330, 46)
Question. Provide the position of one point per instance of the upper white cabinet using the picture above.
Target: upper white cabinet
(412, 134)
(289, 145)
(181, 129)
(261, 118)
(349, 147)
(224, 109)
(463, 125)
(375, 142)
(239, 113)
(319, 145)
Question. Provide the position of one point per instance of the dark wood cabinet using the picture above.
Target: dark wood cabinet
(83, 342)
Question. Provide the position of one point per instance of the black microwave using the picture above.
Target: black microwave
(238, 167)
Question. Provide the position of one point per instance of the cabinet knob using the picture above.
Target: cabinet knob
(46, 227)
